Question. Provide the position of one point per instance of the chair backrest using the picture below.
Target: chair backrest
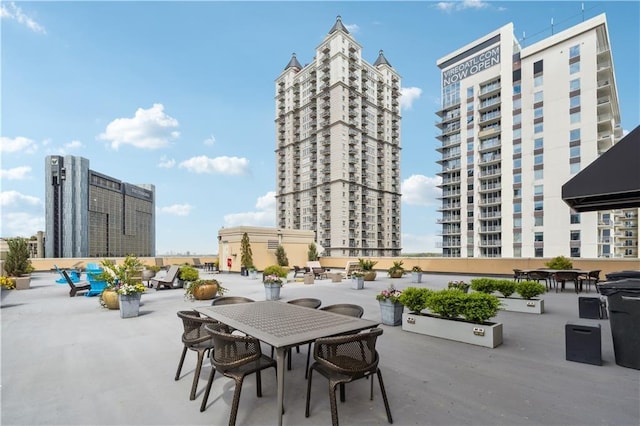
(566, 276)
(595, 274)
(66, 277)
(172, 273)
(194, 326)
(232, 350)
(307, 302)
(351, 354)
(345, 309)
(231, 300)
(196, 261)
(538, 275)
(159, 262)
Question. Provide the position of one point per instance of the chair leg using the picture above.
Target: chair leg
(258, 384)
(334, 404)
(196, 376)
(289, 359)
(343, 398)
(306, 370)
(306, 411)
(384, 396)
(184, 353)
(203, 406)
(236, 401)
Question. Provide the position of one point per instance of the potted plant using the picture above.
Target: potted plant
(416, 274)
(459, 285)
(273, 280)
(125, 280)
(187, 274)
(390, 307)
(527, 290)
(17, 264)
(203, 289)
(396, 270)
(246, 255)
(366, 266)
(357, 280)
(253, 273)
(452, 315)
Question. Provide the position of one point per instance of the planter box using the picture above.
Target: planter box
(23, 283)
(357, 283)
(416, 277)
(488, 335)
(530, 306)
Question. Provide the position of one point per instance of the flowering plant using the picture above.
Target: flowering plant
(123, 279)
(7, 283)
(390, 294)
(272, 279)
(357, 274)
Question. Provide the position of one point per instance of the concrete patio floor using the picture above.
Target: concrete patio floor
(67, 361)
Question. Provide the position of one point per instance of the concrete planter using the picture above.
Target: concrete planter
(370, 275)
(488, 334)
(416, 277)
(530, 306)
(272, 291)
(357, 283)
(23, 283)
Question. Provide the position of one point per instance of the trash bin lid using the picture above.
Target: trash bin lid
(627, 285)
(618, 275)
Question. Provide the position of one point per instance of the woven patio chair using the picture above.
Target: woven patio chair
(564, 276)
(307, 302)
(343, 359)
(590, 277)
(235, 357)
(197, 339)
(519, 275)
(230, 300)
(542, 276)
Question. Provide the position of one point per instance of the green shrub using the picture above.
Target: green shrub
(459, 285)
(188, 273)
(18, 262)
(483, 285)
(479, 307)
(275, 270)
(530, 289)
(446, 303)
(559, 262)
(414, 298)
(281, 256)
(505, 287)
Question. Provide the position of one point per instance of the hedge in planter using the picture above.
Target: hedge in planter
(526, 289)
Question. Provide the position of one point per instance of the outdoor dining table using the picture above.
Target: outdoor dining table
(283, 325)
(552, 274)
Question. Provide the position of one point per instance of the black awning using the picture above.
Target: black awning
(612, 181)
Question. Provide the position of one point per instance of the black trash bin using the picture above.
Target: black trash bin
(619, 275)
(244, 272)
(623, 298)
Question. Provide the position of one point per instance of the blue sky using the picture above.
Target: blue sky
(181, 95)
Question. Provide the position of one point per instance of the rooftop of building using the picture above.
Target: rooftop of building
(69, 361)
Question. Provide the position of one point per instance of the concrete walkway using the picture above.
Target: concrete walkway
(67, 361)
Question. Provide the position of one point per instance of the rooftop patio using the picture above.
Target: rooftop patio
(70, 361)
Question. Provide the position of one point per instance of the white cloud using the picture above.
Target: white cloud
(266, 216)
(352, 28)
(73, 145)
(11, 11)
(412, 243)
(17, 173)
(19, 143)
(210, 140)
(419, 190)
(166, 163)
(16, 199)
(22, 224)
(149, 129)
(177, 209)
(408, 95)
(450, 6)
(220, 165)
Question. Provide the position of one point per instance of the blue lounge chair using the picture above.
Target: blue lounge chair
(74, 275)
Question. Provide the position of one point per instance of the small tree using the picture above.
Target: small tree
(312, 254)
(281, 256)
(246, 255)
(18, 262)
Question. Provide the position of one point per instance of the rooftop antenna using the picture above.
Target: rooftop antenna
(524, 36)
(551, 26)
(582, 11)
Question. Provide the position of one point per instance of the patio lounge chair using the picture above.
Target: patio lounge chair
(167, 280)
(74, 275)
(75, 288)
(197, 263)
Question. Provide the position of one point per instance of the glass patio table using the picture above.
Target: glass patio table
(283, 325)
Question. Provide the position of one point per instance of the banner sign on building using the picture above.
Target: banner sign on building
(471, 66)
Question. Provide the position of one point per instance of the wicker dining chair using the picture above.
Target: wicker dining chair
(343, 359)
(230, 300)
(197, 339)
(307, 302)
(542, 276)
(235, 357)
(590, 277)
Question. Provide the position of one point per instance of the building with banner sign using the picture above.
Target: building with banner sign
(516, 123)
(338, 149)
(89, 214)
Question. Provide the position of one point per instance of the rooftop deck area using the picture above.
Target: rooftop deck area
(70, 361)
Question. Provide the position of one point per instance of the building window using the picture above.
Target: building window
(517, 192)
(538, 128)
(574, 68)
(574, 151)
(537, 113)
(538, 159)
(470, 92)
(517, 178)
(517, 133)
(538, 221)
(517, 222)
(516, 89)
(575, 218)
(517, 103)
(574, 51)
(538, 143)
(517, 148)
(470, 106)
(575, 251)
(517, 252)
(538, 97)
(517, 119)
(574, 118)
(574, 168)
(538, 237)
(538, 206)
(537, 81)
(539, 252)
(517, 163)
(574, 135)
(517, 208)
(574, 235)
(538, 189)
(538, 174)
(574, 101)
(537, 67)
(574, 84)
